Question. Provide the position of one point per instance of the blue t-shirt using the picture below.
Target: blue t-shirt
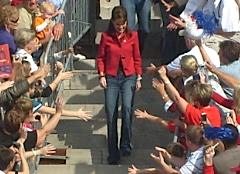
(232, 69)
(7, 38)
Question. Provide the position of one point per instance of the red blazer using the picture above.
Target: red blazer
(111, 52)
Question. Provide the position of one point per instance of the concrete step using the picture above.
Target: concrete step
(99, 126)
(106, 9)
(83, 140)
(142, 97)
(82, 169)
(87, 65)
(98, 110)
(140, 157)
(88, 79)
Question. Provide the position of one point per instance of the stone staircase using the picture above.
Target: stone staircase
(86, 142)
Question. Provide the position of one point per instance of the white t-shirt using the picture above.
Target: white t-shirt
(1, 172)
(175, 64)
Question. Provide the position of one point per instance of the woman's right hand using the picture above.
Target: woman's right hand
(103, 82)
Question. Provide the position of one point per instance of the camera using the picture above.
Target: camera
(204, 117)
(16, 145)
(196, 76)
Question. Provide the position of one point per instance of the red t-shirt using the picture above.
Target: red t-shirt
(193, 115)
(208, 170)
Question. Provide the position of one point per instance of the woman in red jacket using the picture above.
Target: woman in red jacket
(120, 67)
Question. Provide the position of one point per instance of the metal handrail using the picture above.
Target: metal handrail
(82, 23)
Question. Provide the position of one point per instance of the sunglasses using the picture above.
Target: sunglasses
(15, 21)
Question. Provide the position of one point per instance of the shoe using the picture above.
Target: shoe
(113, 161)
(78, 57)
(126, 152)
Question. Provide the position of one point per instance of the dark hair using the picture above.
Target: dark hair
(195, 135)
(6, 156)
(228, 143)
(230, 50)
(13, 120)
(176, 149)
(118, 13)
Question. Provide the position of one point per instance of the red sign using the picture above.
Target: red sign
(5, 62)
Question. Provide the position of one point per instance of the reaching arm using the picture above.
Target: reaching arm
(159, 86)
(172, 92)
(51, 124)
(61, 76)
(164, 167)
(172, 159)
(225, 77)
(46, 150)
(25, 168)
(134, 170)
(24, 164)
(42, 26)
(144, 115)
(84, 115)
(203, 52)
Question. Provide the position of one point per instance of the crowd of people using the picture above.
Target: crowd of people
(198, 80)
(199, 83)
(25, 29)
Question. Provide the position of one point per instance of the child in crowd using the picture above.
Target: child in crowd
(198, 97)
(42, 24)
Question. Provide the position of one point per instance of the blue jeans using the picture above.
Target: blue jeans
(124, 87)
(143, 10)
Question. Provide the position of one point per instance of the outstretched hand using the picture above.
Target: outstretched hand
(65, 75)
(169, 5)
(157, 84)
(177, 21)
(141, 114)
(48, 150)
(159, 159)
(171, 26)
(209, 154)
(211, 67)
(84, 115)
(132, 170)
(164, 152)
(151, 69)
(162, 72)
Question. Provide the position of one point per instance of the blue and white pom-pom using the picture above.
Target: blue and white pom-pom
(221, 133)
(199, 26)
(207, 22)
